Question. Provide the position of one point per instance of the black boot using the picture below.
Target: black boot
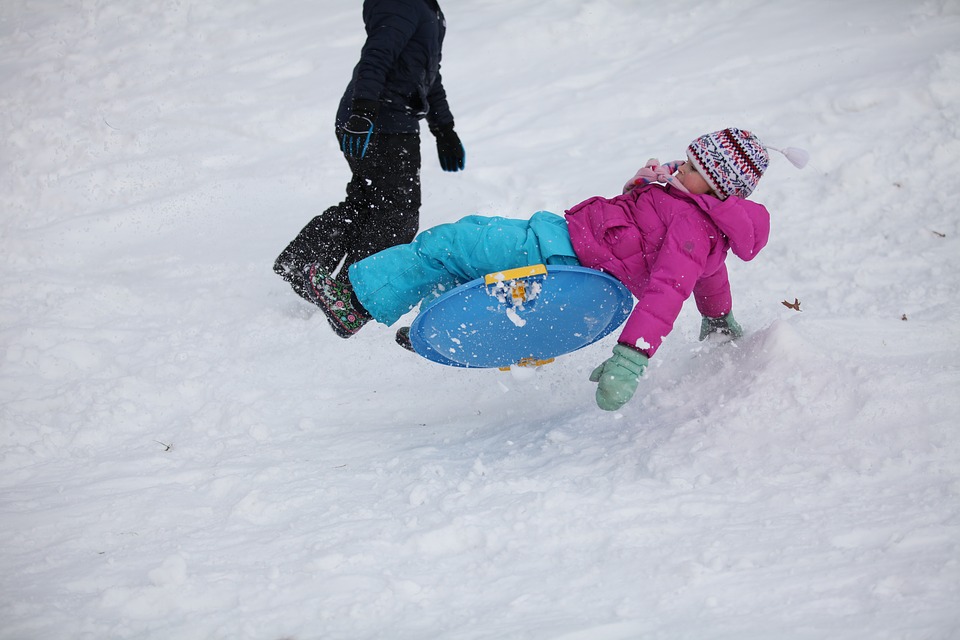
(320, 241)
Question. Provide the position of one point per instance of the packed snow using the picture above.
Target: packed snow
(188, 452)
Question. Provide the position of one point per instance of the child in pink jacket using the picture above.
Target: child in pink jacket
(664, 242)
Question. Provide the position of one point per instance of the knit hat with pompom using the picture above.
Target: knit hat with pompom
(731, 161)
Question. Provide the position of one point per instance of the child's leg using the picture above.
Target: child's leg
(392, 282)
(381, 208)
(386, 194)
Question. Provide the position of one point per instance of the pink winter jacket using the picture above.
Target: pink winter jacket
(664, 244)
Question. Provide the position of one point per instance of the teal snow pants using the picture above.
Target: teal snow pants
(394, 281)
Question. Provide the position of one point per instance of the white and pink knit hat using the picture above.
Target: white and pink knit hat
(731, 161)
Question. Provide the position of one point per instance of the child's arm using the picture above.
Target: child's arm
(712, 294)
(676, 269)
(673, 275)
(715, 304)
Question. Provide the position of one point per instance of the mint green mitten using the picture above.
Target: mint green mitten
(724, 325)
(618, 376)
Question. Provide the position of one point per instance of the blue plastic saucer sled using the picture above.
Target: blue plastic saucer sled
(526, 316)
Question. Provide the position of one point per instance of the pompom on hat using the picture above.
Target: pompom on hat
(733, 160)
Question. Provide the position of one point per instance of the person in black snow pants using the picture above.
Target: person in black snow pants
(395, 84)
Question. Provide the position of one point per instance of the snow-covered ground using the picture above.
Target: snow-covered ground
(188, 452)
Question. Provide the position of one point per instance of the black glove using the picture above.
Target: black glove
(356, 135)
(449, 148)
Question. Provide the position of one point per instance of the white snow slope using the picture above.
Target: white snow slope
(188, 452)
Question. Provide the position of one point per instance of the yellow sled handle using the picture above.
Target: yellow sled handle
(515, 274)
(515, 281)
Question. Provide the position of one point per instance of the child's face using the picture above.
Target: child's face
(692, 180)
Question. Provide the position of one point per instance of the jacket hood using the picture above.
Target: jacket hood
(745, 223)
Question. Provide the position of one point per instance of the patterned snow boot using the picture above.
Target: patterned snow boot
(344, 312)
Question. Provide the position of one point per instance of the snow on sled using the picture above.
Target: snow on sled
(526, 316)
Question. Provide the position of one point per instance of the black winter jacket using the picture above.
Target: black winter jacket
(399, 65)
